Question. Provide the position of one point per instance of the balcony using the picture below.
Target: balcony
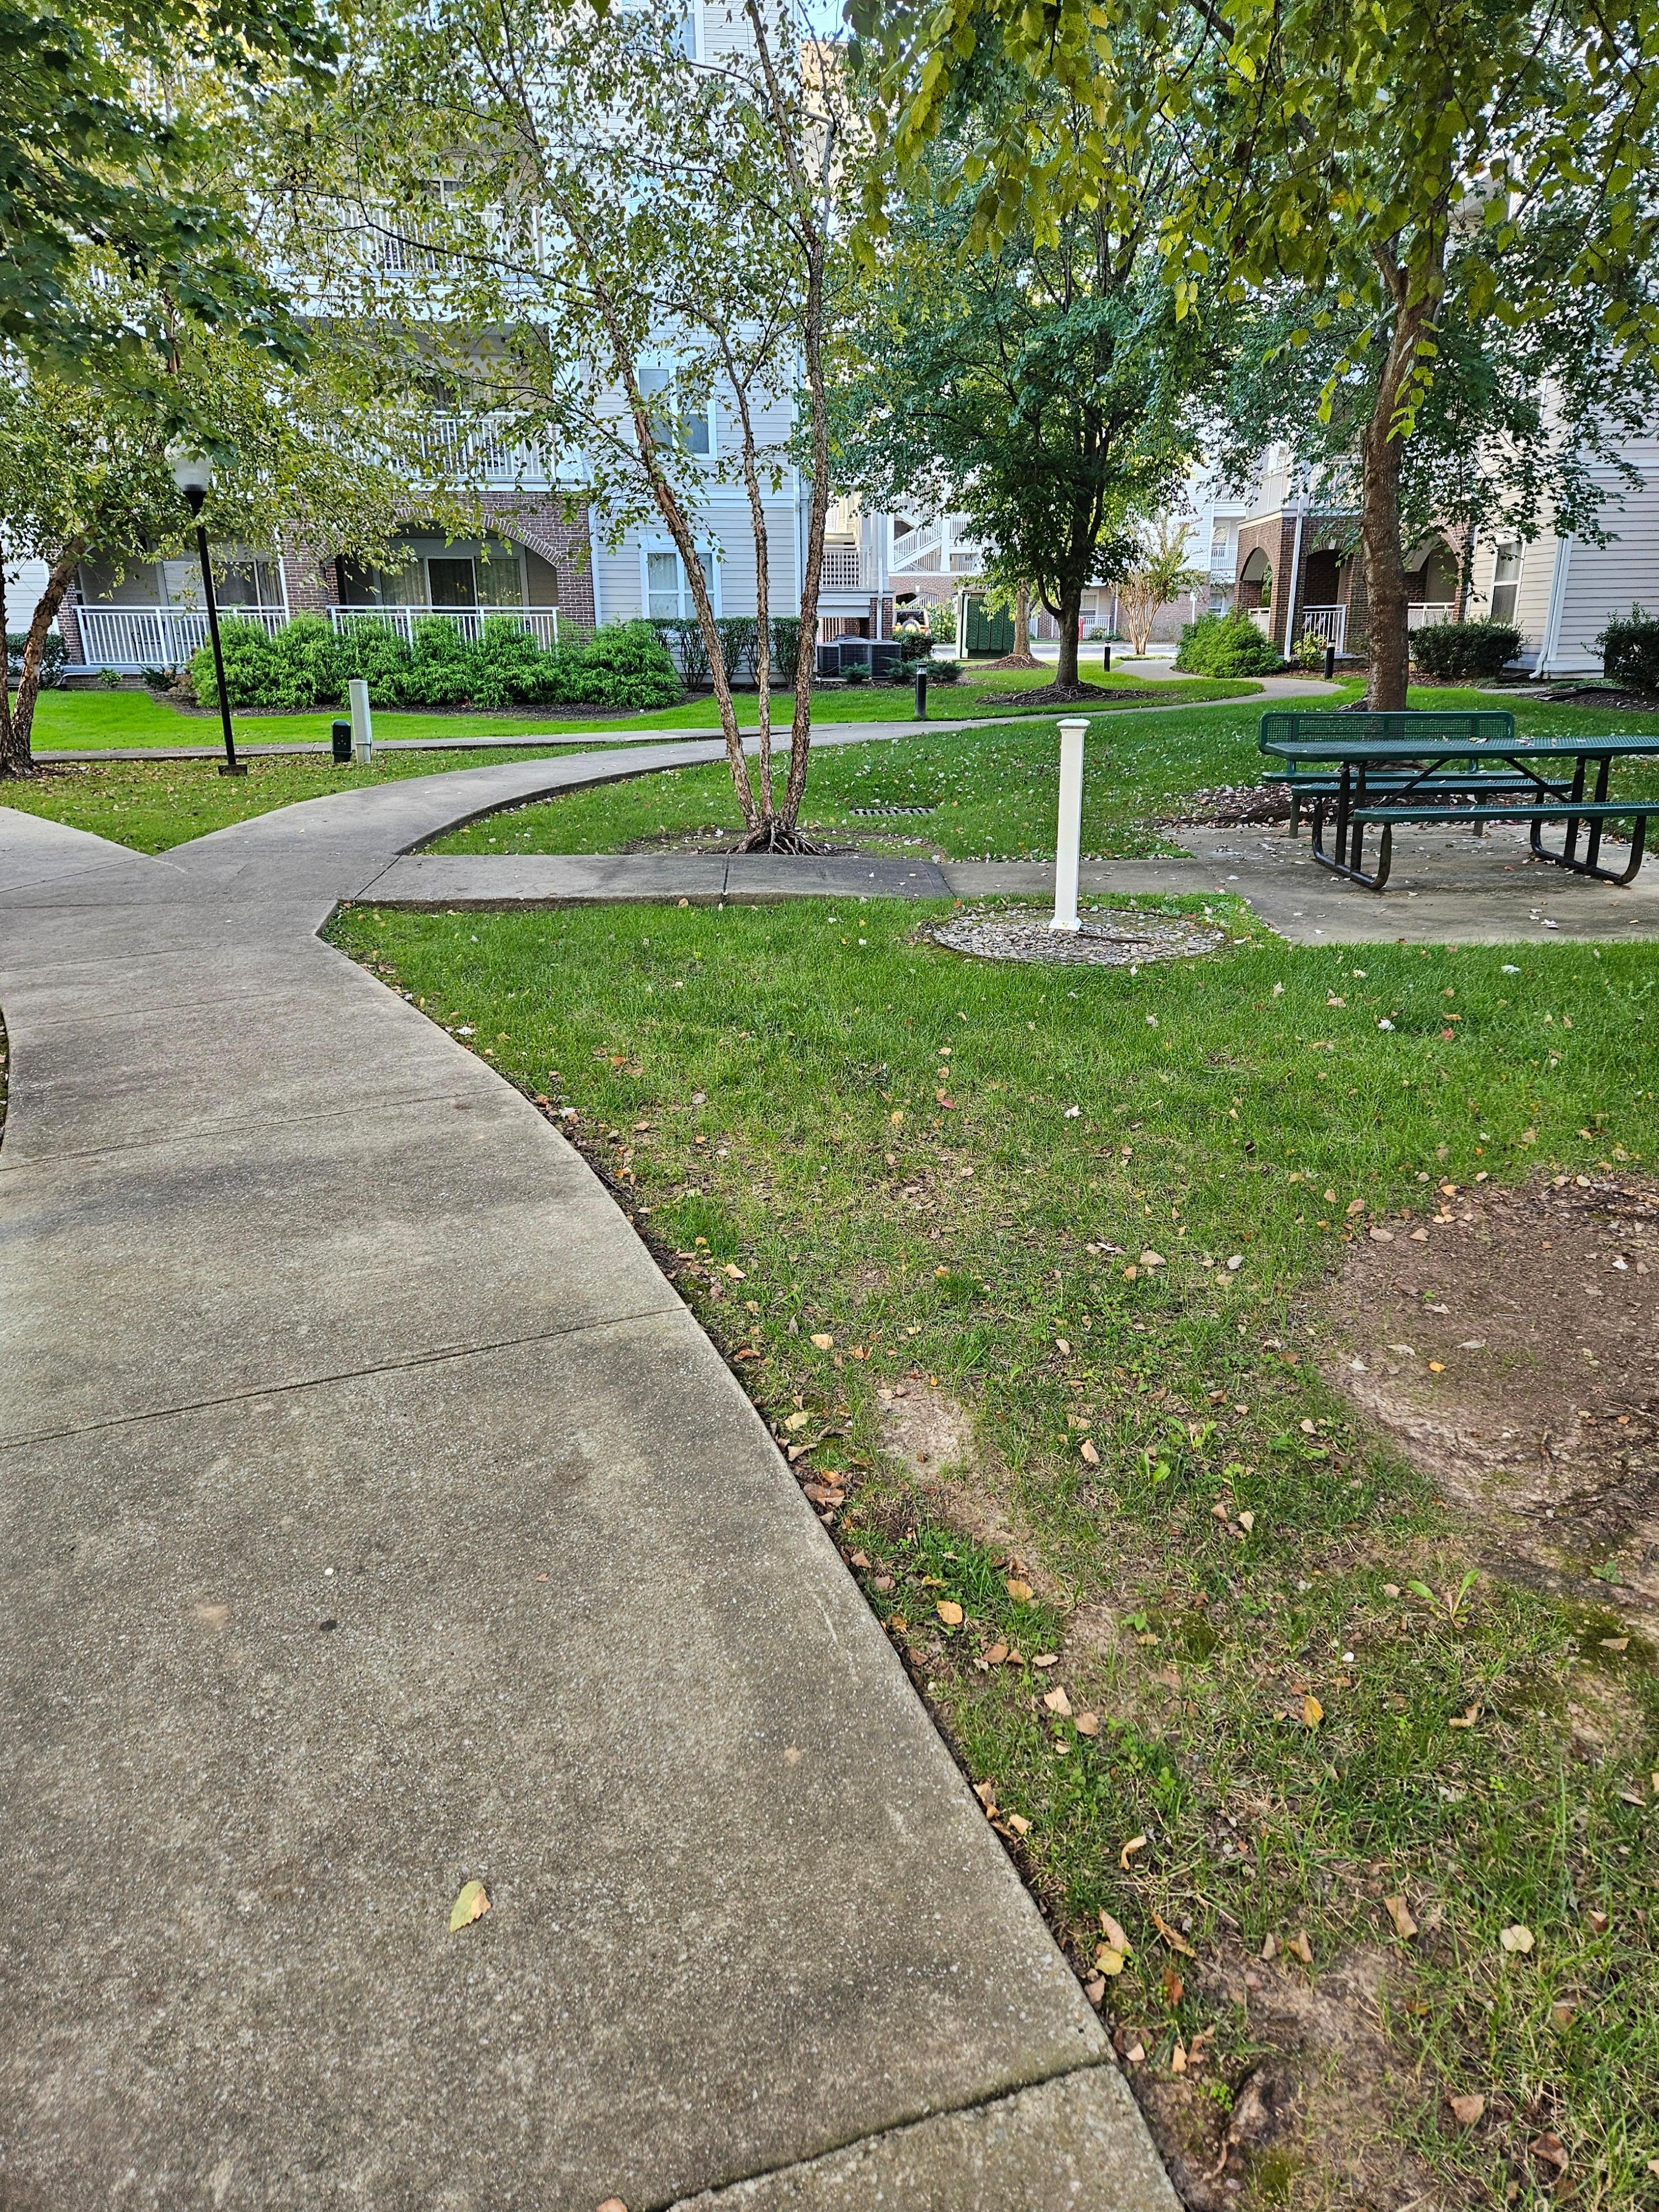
(922, 548)
(1430, 610)
(542, 623)
(481, 449)
(843, 569)
(134, 638)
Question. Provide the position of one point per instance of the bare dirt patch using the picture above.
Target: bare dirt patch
(1511, 1346)
(1231, 807)
(926, 1428)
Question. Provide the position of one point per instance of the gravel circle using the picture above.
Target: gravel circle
(1111, 938)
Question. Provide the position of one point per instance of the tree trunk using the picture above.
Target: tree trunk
(17, 723)
(1416, 289)
(1069, 615)
(763, 590)
(1022, 652)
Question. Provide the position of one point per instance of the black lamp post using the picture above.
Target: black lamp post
(192, 477)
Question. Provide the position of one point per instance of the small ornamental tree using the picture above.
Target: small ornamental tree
(1159, 572)
(652, 239)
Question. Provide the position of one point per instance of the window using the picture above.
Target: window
(689, 425)
(667, 593)
(1505, 582)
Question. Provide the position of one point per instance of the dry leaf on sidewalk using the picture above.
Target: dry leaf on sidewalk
(471, 1904)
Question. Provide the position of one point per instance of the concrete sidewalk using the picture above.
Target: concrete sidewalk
(374, 1518)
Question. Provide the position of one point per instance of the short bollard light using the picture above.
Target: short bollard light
(922, 694)
(1068, 836)
(363, 726)
(342, 743)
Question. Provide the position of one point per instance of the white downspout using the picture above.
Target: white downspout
(1557, 600)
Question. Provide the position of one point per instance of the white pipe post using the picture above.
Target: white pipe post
(1068, 837)
(362, 726)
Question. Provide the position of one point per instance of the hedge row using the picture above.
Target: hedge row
(307, 664)
(1226, 644)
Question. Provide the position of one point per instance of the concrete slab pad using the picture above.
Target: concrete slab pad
(764, 875)
(437, 880)
(250, 1258)
(555, 1619)
(1076, 2144)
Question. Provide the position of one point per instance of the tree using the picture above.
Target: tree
(648, 235)
(327, 449)
(1388, 152)
(99, 158)
(1158, 572)
(1040, 382)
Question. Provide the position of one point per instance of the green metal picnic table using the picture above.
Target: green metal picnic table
(1402, 775)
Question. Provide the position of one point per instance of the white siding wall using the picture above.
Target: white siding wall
(1569, 590)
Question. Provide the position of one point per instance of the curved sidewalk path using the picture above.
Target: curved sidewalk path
(373, 1517)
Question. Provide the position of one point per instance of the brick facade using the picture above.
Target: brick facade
(538, 522)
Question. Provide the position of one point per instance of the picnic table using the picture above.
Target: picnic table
(1377, 770)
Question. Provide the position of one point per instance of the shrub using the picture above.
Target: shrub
(1226, 644)
(298, 668)
(944, 671)
(683, 639)
(1629, 650)
(739, 637)
(53, 655)
(786, 651)
(379, 654)
(914, 645)
(942, 621)
(1465, 648)
(446, 667)
(1309, 650)
(627, 665)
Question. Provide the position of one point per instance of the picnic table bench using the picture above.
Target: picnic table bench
(1375, 770)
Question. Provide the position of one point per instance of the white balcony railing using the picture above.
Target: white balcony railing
(156, 637)
(1429, 611)
(542, 623)
(481, 449)
(1329, 622)
(1263, 619)
(843, 570)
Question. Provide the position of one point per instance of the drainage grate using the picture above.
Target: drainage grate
(869, 813)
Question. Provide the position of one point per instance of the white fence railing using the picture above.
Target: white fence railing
(843, 569)
(156, 637)
(1329, 622)
(1263, 619)
(1430, 611)
(542, 623)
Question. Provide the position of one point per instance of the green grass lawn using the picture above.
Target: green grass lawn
(854, 1151)
(125, 720)
(991, 793)
(153, 805)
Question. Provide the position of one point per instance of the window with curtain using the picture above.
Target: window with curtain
(667, 593)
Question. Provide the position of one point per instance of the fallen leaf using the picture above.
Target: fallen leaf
(1302, 1947)
(1551, 2151)
(1178, 2060)
(1174, 1987)
(1095, 1990)
(1615, 1643)
(1466, 2111)
(823, 1342)
(1564, 2014)
(987, 1794)
(1135, 1844)
(1270, 1947)
(1046, 1659)
(1019, 1823)
(1173, 1937)
(615, 2203)
(796, 1420)
(1400, 1912)
(1312, 1711)
(1057, 1701)
(1465, 1720)
(1598, 1920)
(1136, 2054)
(471, 1904)
(736, 1274)
(948, 1611)
(1516, 1938)
(1108, 1959)
(1088, 1725)
(859, 1559)
(1112, 1931)
(1247, 1522)
(1020, 1592)
(1151, 1258)
(1062, 1345)
(1089, 1455)
(1355, 1206)
(996, 1655)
